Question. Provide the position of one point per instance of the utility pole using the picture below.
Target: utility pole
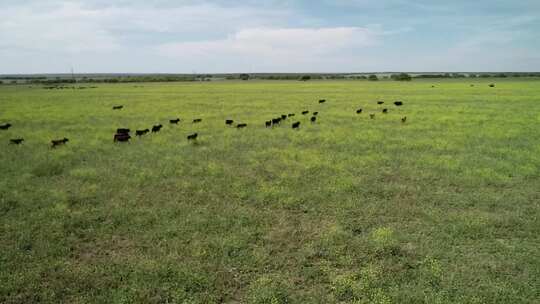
(72, 75)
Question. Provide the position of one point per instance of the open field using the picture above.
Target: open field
(442, 209)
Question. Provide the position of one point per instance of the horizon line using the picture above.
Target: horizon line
(259, 73)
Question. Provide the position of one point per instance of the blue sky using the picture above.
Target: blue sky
(214, 36)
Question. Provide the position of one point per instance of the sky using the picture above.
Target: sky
(303, 36)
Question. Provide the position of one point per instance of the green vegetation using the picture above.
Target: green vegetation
(244, 76)
(401, 77)
(441, 209)
(58, 79)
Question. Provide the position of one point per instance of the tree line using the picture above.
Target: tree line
(244, 76)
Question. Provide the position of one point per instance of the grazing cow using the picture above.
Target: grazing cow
(372, 116)
(197, 120)
(268, 123)
(229, 122)
(16, 141)
(141, 132)
(291, 114)
(59, 142)
(276, 121)
(121, 137)
(174, 121)
(192, 136)
(117, 107)
(322, 101)
(315, 113)
(313, 119)
(296, 125)
(305, 112)
(122, 131)
(492, 85)
(358, 111)
(5, 126)
(242, 125)
(404, 119)
(385, 111)
(283, 117)
(156, 128)
(398, 103)
(380, 102)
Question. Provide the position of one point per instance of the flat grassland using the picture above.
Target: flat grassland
(441, 209)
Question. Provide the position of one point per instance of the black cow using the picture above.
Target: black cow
(121, 137)
(242, 125)
(229, 122)
(174, 121)
(322, 101)
(385, 111)
(141, 132)
(122, 131)
(197, 120)
(192, 136)
(268, 124)
(380, 102)
(283, 116)
(5, 126)
(358, 111)
(117, 107)
(372, 116)
(157, 128)
(313, 119)
(315, 113)
(291, 114)
(492, 85)
(296, 125)
(398, 103)
(305, 112)
(276, 121)
(404, 119)
(59, 142)
(16, 141)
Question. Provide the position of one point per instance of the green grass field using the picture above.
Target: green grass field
(442, 209)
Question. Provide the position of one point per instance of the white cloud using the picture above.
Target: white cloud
(283, 47)
(45, 28)
(73, 27)
(39, 36)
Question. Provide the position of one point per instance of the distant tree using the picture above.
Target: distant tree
(305, 78)
(401, 77)
(373, 77)
(244, 76)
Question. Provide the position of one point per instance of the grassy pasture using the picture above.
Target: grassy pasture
(442, 209)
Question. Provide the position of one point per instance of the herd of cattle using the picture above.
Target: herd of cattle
(124, 134)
